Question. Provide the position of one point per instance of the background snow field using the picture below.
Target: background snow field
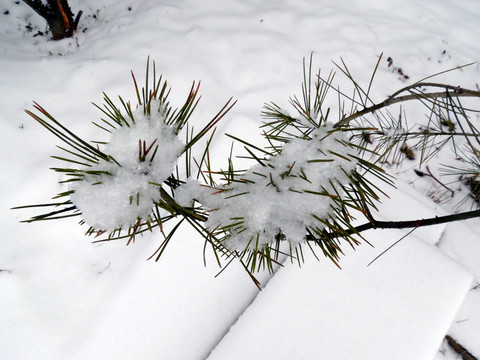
(62, 297)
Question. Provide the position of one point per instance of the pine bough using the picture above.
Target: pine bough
(312, 184)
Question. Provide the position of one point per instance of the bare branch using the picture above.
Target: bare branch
(377, 224)
(393, 99)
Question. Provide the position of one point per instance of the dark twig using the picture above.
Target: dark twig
(376, 224)
(421, 173)
(407, 224)
(391, 246)
(459, 349)
(393, 99)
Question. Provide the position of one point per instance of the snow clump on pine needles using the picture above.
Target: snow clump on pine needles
(122, 191)
(279, 196)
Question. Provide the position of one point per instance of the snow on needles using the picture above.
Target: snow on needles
(286, 194)
(122, 191)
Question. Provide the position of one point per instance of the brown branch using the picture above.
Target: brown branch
(456, 89)
(459, 349)
(66, 20)
(394, 98)
(408, 224)
(377, 224)
(421, 173)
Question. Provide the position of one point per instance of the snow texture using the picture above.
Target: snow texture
(360, 313)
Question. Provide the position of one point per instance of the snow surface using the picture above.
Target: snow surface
(62, 297)
(352, 314)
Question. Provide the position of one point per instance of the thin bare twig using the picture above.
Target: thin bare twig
(393, 99)
(421, 173)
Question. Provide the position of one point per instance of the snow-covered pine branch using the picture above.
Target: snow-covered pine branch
(311, 184)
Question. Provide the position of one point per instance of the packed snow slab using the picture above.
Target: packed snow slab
(400, 307)
(64, 298)
(461, 242)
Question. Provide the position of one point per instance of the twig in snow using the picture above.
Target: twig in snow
(421, 173)
(105, 268)
(459, 349)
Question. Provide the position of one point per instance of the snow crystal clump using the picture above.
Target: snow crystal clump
(286, 195)
(124, 192)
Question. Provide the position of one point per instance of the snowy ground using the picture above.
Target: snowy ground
(63, 298)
